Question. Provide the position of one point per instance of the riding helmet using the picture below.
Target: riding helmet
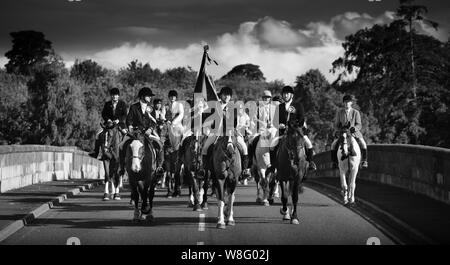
(157, 101)
(145, 92)
(114, 91)
(347, 98)
(226, 91)
(173, 93)
(287, 89)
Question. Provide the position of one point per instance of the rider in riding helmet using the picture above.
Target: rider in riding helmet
(349, 118)
(139, 117)
(114, 113)
(225, 109)
(289, 111)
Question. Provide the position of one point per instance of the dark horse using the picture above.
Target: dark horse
(225, 171)
(170, 159)
(109, 148)
(140, 164)
(197, 177)
(291, 169)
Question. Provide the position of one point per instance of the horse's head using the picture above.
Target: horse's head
(137, 151)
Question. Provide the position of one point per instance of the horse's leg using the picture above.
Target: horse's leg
(344, 187)
(231, 188)
(294, 194)
(205, 190)
(220, 183)
(195, 192)
(135, 198)
(284, 200)
(151, 195)
(264, 186)
(353, 173)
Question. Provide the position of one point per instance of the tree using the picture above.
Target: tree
(14, 112)
(136, 73)
(87, 71)
(409, 14)
(320, 103)
(380, 59)
(249, 71)
(29, 48)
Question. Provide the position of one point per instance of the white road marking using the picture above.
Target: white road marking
(201, 224)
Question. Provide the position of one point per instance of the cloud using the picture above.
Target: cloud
(138, 31)
(3, 61)
(282, 51)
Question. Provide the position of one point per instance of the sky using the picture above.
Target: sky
(285, 38)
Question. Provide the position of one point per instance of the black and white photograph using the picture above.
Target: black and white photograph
(224, 128)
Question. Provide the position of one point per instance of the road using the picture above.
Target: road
(93, 221)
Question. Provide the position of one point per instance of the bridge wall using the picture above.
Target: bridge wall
(22, 165)
(420, 169)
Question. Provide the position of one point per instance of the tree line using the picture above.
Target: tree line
(401, 82)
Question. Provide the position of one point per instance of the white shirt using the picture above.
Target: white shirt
(288, 104)
(177, 108)
(143, 107)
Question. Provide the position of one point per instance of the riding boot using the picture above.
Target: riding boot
(364, 163)
(334, 158)
(309, 154)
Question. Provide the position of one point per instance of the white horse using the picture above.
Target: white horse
(260, 164)
(348, 166)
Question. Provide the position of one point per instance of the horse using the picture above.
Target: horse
(226, 169)
(110, 140)
(140, 164)
(197, 177)
(291, 169)
(349, 158)
(170, 159)
(264, 178)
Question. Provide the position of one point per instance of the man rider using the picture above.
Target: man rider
(139, 117)
(114, 112)
(287, 112)
(350, 118)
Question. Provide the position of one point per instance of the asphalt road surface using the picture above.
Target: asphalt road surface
(93, 222)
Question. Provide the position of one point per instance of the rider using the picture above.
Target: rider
(264, 121)
(114, 112)
(140, 117)
(225, 95)
(287, 112)
(349, 118)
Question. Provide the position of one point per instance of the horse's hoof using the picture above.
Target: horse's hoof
(197, 208)
(221, 226)
(146, 210)
(295, 221)
(231, 223)
(271, 201)
(286, 215)
(266, 203)
(259, 200)
(205, 206)
(190, 204)
(150, 218)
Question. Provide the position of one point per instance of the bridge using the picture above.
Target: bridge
(50, 195)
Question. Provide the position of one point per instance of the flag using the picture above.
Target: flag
(204, 87)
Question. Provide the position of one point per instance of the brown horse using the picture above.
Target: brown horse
(140, 164)
(110, 140)
(226, 169)
(291, 169)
